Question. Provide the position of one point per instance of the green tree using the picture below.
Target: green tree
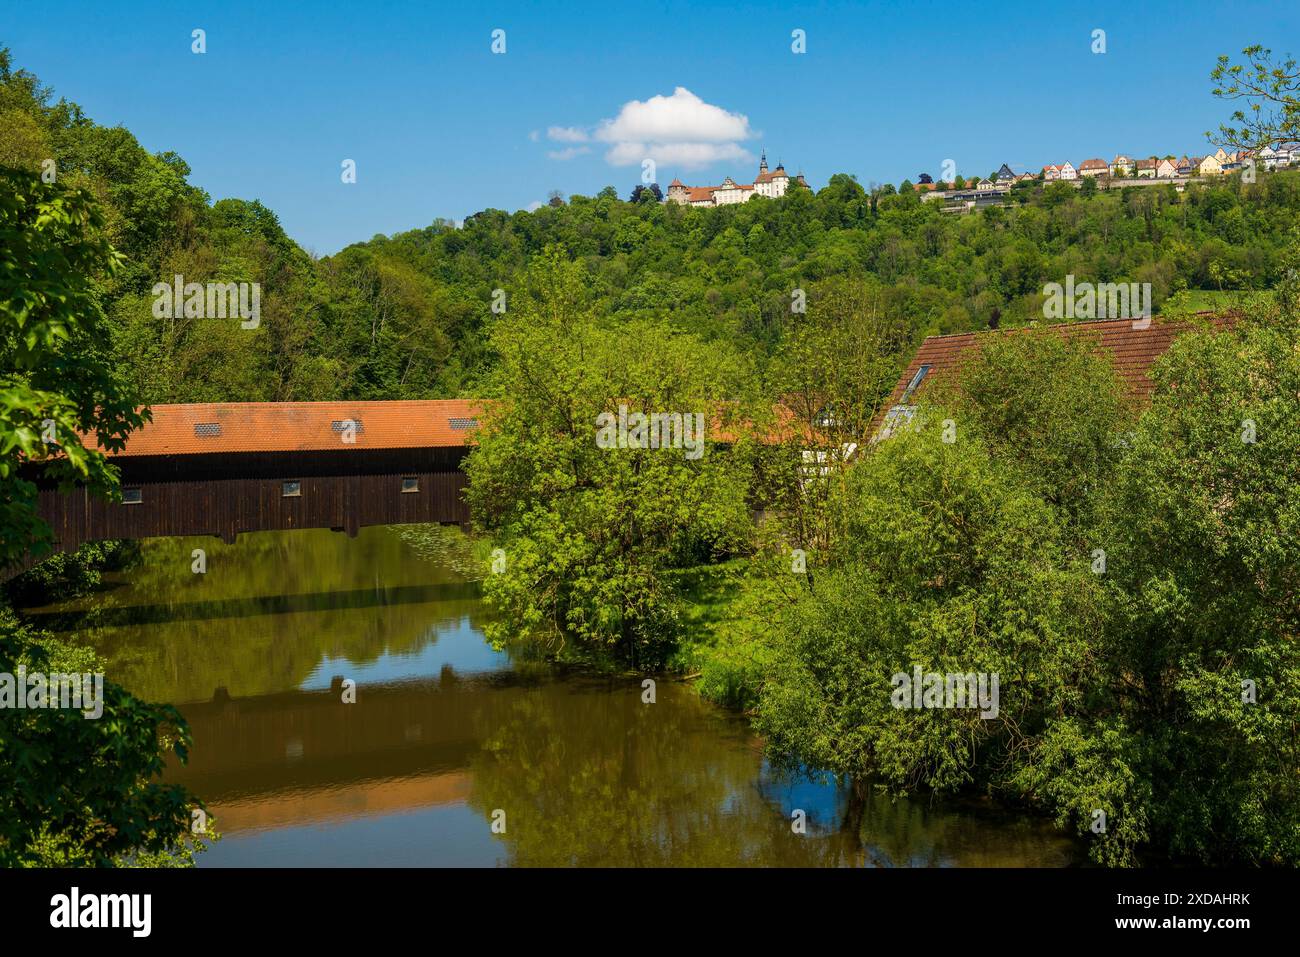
(1133, 584)
(954, 565)
(57, 381)
(1271, 92)
(833, 372)
(73, 790)
(589, 533)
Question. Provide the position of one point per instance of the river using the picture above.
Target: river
(455, 753)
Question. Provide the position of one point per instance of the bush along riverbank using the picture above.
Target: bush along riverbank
(1119, 577)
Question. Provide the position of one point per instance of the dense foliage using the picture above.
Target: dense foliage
(1127, 574)
(409, 316)
(1133, 585)
(585, 533)
(73, 790)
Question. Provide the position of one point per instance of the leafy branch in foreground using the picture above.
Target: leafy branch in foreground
(1270, 90)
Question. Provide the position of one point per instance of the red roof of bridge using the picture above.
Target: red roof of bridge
(304, 426)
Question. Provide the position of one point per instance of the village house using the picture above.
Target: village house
(772, 184)
(1166, 169)
(1132, 349)
(1051, 172)
(1146, 168)
(1279, 155)
(1210, 166)
(1121, 167)
(1068, 171)
(1094, 167)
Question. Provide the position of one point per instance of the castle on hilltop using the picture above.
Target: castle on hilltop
(771, 184)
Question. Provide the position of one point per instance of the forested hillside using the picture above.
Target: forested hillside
(408, 316)
(1128, 573)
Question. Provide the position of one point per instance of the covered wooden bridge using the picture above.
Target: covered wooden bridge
(225, 468)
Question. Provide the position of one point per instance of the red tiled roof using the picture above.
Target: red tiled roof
(1133, 350)
(303, 426)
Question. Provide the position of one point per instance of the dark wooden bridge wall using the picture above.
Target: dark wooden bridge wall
(232, 493)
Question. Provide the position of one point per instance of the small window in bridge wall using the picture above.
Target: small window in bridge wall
(132, 496)
(410, 485)
(291, 490)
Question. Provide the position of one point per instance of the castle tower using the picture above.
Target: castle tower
(762, 163)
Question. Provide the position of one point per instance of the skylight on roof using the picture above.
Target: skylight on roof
(460, 425)
(916, 381)
(203, 429)
(341, 425)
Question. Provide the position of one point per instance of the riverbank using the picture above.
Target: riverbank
(446, 730)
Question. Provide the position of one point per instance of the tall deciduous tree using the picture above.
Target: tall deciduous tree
(58, 386)
(589, 528)
(73, 790)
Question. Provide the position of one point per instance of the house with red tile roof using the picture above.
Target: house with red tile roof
(1133, 347)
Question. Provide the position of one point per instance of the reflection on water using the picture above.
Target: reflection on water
(446, 731)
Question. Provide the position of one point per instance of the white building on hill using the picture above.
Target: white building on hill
(772, 184)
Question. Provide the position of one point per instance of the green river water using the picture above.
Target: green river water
(448, 735)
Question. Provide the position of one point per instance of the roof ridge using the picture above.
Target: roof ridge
(1160, 320)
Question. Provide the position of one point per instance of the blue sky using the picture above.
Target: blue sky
(439, 126)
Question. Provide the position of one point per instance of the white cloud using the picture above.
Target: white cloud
(685, 155)
(566, 134)
(678, 130)
(568, 153)
(680, 118)
(535, 135)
